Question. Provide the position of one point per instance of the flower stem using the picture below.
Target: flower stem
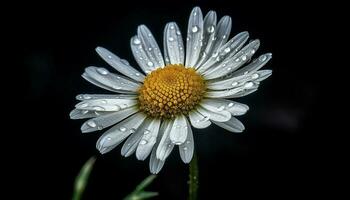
(193, 176)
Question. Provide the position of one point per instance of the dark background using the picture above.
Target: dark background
(278, 155)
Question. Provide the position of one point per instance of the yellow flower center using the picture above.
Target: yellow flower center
(169, 91)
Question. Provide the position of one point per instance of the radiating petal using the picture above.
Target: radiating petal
(150, 47)
(83, 114)
(225, 52)
(230, 93)
(133, 141)
(155, 165)
(115, 135)
(82, 97)
(234, 62)
(252, 67)
(198, 120)
(116, 82)
(179, 130)
(173, 44)
(209, 27)
(140, 55)
(233, 125)
(120, 65)
(106, 104)
(213, 113)
(105, 121)
(187, 148)
(194, 37)
(165, 145)
(239, 81)
(148, 140)
(233, 107)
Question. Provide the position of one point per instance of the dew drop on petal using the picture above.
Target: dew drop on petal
(230, 105)
(235, 83)
(244, 57)
(91, 124)
(133, 130)
(211, 29)
(146, 132)
(143, 142)
(86, 97)
(195, 29)
(178, 33)
(227, 50)
(262, 58)
(255, 76)
(83, 105)
(98, 108)
(171, 39)
(248, 85)
(150, 63)
(172, 27)
(137, 41)
(221, 108)
(110, 57)
(185, 148)
(122, 129)
(102, 71)
(237, 60)
(84, 112)
(150, 49)
(137, 74)
(187, 142)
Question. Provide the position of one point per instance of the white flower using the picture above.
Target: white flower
(157, 107)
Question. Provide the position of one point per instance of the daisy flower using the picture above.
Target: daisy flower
(191, 85)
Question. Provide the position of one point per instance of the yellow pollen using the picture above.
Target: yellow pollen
(169, 91)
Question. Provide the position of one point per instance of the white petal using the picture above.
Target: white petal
(83, 114)
(178, 133)
(252, 67)
(115, 135)
(133, 141)
(209, 27)
(187, 148)
(233, 63)
(239, 81)
(222, 32)
(213, 113)
(243, 93)
(105, 121)
(233, 107)
(230, 93)
(194, 36)
(116, 82)
(198, 120)
(148, 140)
(233, 125)
(150, 45)
(155, 165)
(118, 64)
(225, 52)
(82, 97)
(140, 55)
(173, 44)
(165, 145)
(106, 104)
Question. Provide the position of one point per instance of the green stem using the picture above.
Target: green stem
(193, 176)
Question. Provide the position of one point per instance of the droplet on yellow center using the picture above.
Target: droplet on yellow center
(169, 91)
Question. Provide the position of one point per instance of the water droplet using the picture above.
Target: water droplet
(109, 138)
(248, 85)
(99, 127)
(235, 83)
(98, 108)
(195, 29)
(214, 38)
(178, 33)
(187, 142)
(84, 112)
(237, 60)
(133, 130)
(97, 113)
(86, 97)
(91, 124)
(171, 39)
(227, 50)
(116, 87)
(169, 145)
(244, 57)
(230, 105)
(215, 54)
(84, 105)
(211, 29)
(137, 74)
(185, 148)
(229, 69)
(187, 39)
(143, 142)
(172, 27)
(150, 63)
(122, 129)
(255, 76)
(246, 72)
(102, 71)
(195, 13)
(178, 143)
(262, 58)
(252, 51)
(103, 101)
(146, 132)
(137, 41)
(124, 61)
(110, 57)
(150, 49)
(221, 108)
(149, 35)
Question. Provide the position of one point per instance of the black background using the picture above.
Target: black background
(278, 155)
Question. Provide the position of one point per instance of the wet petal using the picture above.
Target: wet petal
(187, 148)
(173, 44)
(233, 125)
(198, 120)
(178, 133)
(148, 140)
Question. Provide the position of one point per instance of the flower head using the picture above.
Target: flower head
(154, 109)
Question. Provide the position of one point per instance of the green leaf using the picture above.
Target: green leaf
(82, 179)
(139, 193)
